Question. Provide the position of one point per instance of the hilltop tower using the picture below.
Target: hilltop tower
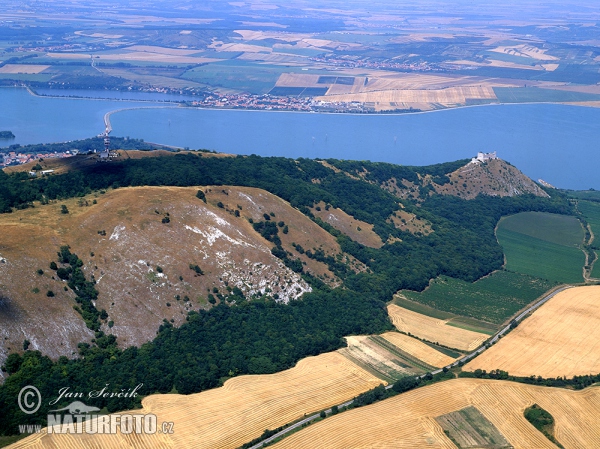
(107, 154)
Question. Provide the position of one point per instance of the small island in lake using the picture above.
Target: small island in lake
(6, 135)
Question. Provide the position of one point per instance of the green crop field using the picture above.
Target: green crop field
(506, 57)
(494, 298)
(233, 74)
(560, 229)
(592, 195)
(421, 308)
(246, 76)
(591, 212)
(543, 245)
(538, 95)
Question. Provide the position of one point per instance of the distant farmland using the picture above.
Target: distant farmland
(543, 245)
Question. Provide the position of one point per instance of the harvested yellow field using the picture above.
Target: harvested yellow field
(418, 349)
(317, 42)
(550, 67)
(23, 68)
(307, 80)
(561, 338)
(409, 81)
(449, 96)
(236, 413)
(513, 65)
(407, 421)
(340, 89)
(527, 51)
(298, 80)
(434, 329)
(256, 35)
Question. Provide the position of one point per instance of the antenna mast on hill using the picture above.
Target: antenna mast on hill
(107, 154)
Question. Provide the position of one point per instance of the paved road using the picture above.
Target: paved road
(463, 359)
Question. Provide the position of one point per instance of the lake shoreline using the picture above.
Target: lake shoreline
(544, 140)
(224, 108)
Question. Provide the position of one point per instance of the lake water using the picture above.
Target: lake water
(557, 143)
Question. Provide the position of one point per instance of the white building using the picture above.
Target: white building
(484, 157)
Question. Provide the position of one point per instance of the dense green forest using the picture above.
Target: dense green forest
(261, 336)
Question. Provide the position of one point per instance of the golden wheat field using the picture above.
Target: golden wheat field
(526, 51)
(418, 349)
(449, 96)
(561, 338)
(399, 81)
(298, 80)
(236, 413)
(23, 68)
(434, 329)
(408, 420)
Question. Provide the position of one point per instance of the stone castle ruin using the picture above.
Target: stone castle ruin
(483, 157)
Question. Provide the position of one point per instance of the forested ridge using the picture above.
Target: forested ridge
(261, 336)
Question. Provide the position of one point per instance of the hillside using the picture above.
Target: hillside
(124, 243)
(269, 261)
(464, 179)
(138, 244)
(494, 178)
